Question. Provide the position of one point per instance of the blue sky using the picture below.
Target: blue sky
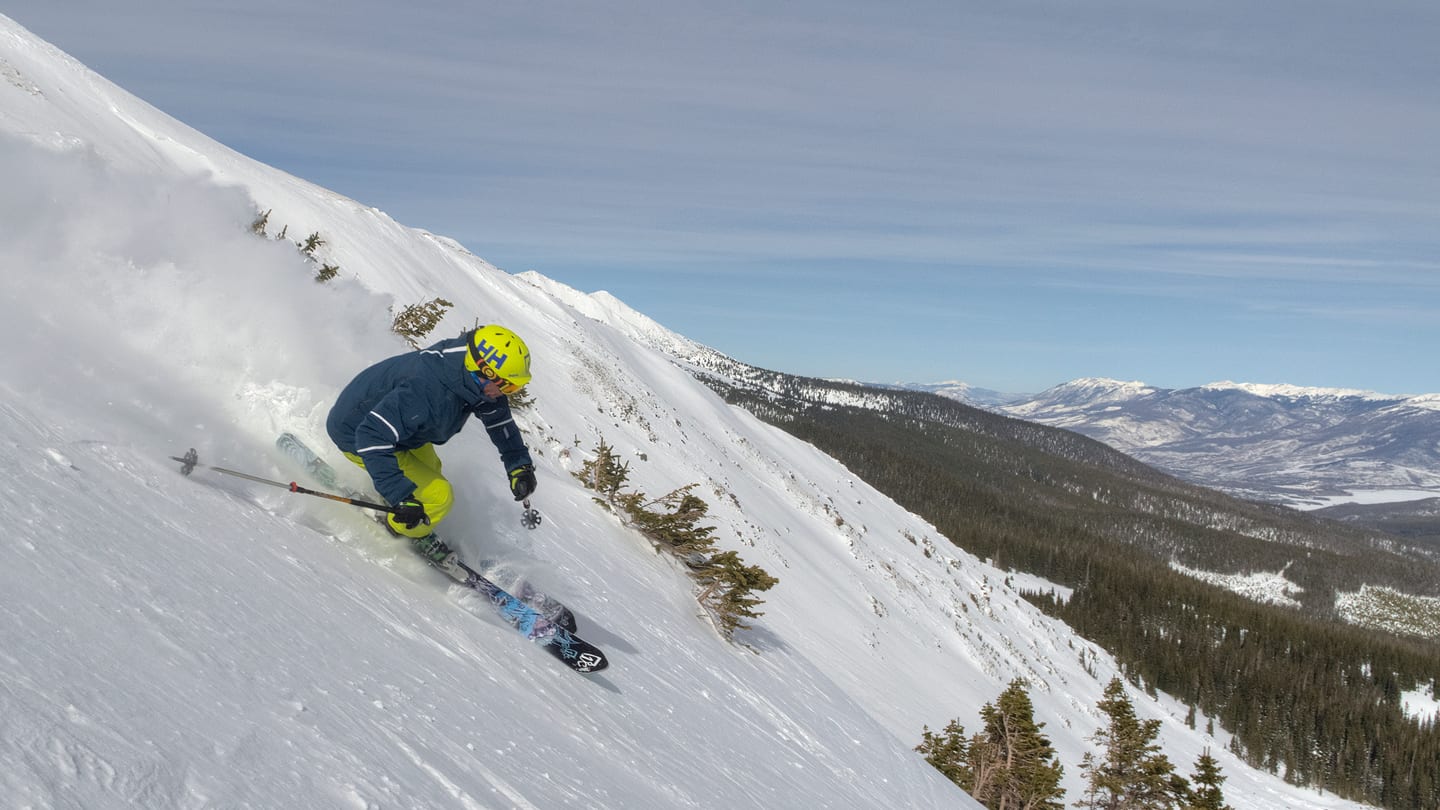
(1012, 194)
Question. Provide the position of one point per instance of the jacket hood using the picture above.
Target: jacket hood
(456, 377)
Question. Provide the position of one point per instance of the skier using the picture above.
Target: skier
(390, 416)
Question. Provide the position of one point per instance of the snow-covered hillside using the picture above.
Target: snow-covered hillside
(1307, 447)
(172, 642)
(966, 393)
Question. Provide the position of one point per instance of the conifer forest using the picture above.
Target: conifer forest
(1305, 695)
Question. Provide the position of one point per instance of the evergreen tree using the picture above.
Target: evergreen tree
(948, 752)
(729, 589)
(605, 473)
(678, 528)
(1206, 795)
(1131, 773)
(1012, 763)
(258, 225)
(312, 243)
(417, 320)
(727, 586)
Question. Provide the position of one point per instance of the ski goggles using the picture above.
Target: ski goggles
(488, 374)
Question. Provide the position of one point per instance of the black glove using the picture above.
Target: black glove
(409, 513)
(522, 481)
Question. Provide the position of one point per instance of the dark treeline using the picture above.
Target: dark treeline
(1304, 695)
(1015, 469)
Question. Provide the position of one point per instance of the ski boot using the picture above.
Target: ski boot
(433, 549)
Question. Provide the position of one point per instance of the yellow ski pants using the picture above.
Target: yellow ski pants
(421, 466)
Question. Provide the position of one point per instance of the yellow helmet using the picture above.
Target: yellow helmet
(498, 354)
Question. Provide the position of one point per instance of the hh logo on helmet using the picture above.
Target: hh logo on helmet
(490, 354)
(496, 352)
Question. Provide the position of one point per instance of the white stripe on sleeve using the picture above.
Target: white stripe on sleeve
(387, 424)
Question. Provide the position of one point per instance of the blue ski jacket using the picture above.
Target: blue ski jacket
(415, 399)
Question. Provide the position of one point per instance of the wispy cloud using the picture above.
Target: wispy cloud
(1124, 148)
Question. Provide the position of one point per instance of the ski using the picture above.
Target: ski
(314, 466)
(549, 623)
(571, 650)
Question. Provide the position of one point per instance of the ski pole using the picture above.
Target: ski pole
(530, 518)
(191, 460)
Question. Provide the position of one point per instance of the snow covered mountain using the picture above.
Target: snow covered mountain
(1303, 446)
(168, 642)
(966, 393)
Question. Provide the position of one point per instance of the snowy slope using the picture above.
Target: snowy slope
(1303, 446)
(966, 393)
(167, 642)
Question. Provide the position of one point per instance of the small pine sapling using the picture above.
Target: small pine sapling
(418, 320)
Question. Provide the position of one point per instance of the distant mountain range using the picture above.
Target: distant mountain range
(1284, 443)
(964, 392)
